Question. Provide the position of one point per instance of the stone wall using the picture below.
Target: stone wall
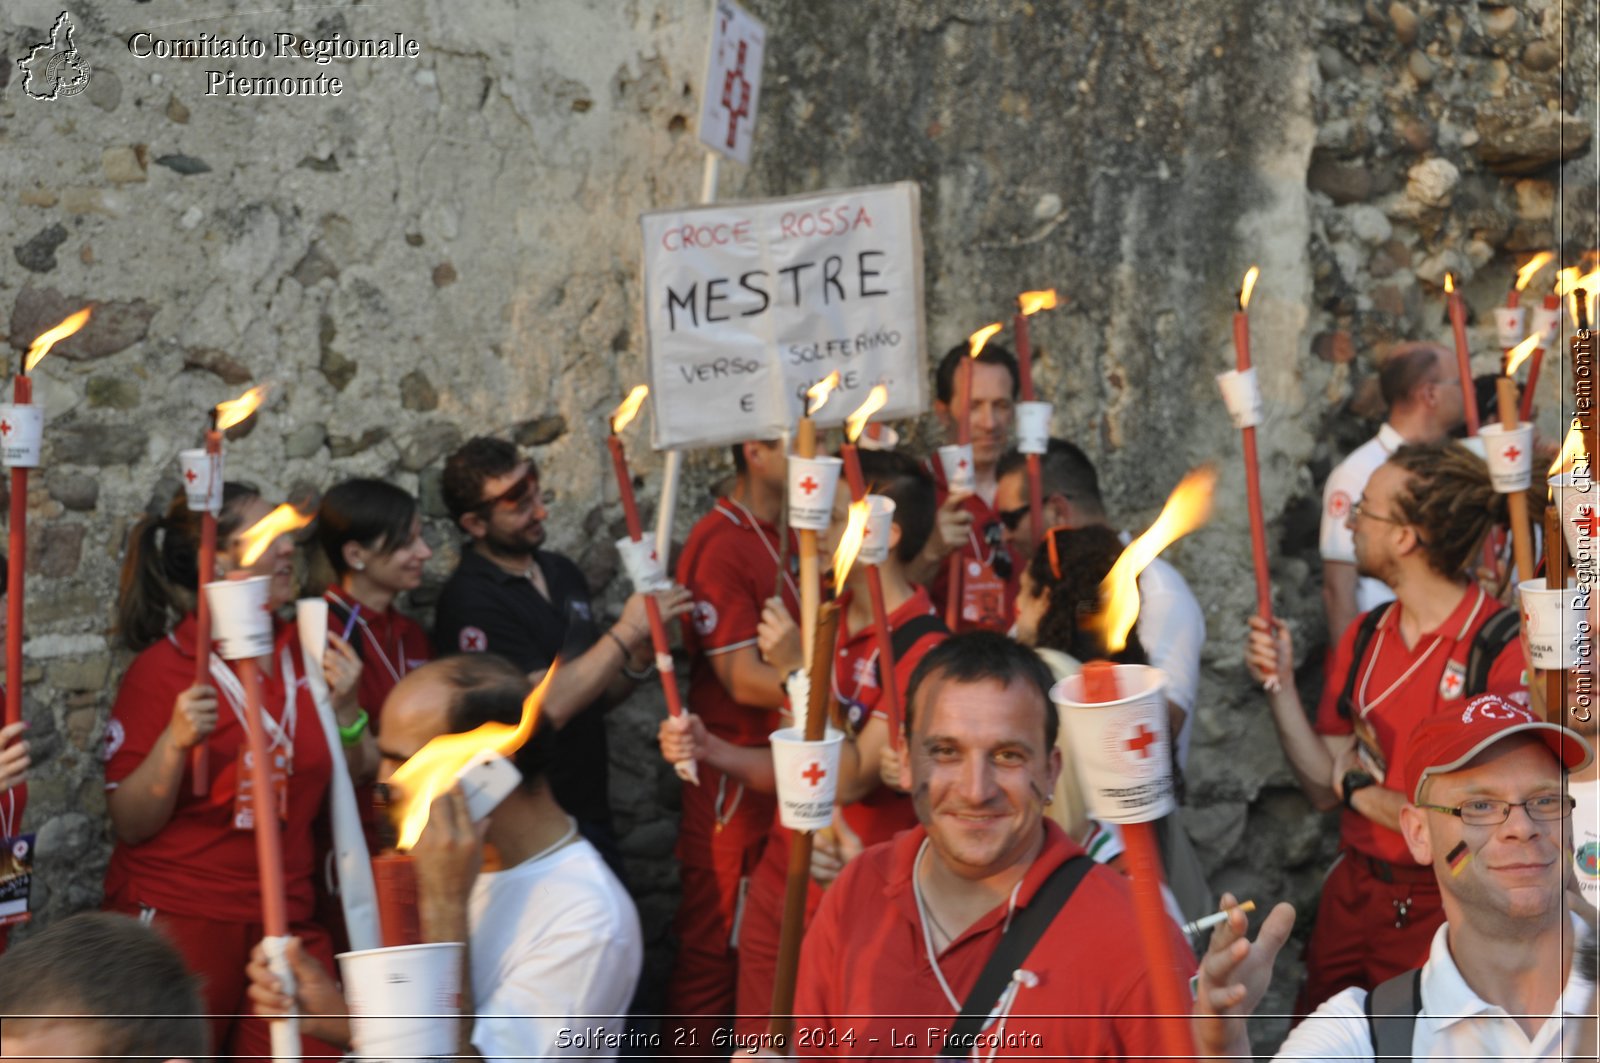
(450, 247)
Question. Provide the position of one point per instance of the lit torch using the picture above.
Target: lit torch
(1458, 325)
(1244, 381)
(621, 417)
(22, 428)
(1028, 304)
(1516, 501)
(224, 415)
(953, 580)
(805, 446)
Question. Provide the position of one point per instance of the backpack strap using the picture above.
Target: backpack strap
(1493, 637)
(1015, 944)
(907, 635)
(1392, 1008)
(1368, 626)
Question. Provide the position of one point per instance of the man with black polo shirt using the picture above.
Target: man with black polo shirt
(510, 597)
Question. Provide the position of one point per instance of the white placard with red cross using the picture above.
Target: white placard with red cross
(733, 81)
(749, 304)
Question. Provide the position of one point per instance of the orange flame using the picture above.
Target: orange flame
(855, 533)
(255, 539)
(856, 423)
(1187, 508)
(624, 414)
(433, 769)
(976, 341)
(48, 339)
(817, 394)
(1521, 353)
(1532, 266)
(1030, 303)
(1248, 286)
(1567, 279)
(1449, 283)
(236, 411)
(1572, 449)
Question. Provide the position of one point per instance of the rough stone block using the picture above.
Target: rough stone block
(74, 490)
(55, 555)
(220, 364)
(417, 392)
(112, 392)
(1522, 136)
(428, 445)
(540, 431)
(125, 164)
(79, 673)
(349, 446)
(38, 252)
(86, 443)
(305, 441)
(115, 326)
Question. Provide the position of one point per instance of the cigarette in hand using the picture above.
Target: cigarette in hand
(1216, 918)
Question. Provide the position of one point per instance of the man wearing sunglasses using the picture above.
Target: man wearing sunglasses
(1485, 810)
(1171, 626)
(511, 597)
(1422, 389)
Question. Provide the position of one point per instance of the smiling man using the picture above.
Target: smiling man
(910, 925)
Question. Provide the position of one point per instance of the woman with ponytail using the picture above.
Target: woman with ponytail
(187, 863)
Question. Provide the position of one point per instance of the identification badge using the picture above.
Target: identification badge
(16, 878)
(244, 799)
(983, 597)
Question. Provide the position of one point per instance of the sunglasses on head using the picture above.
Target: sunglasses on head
(513, 496)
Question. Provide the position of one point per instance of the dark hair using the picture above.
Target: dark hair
(161, 572)
(1086, 555)
(479, 459)
(977, 656)
(1408, 367)
(944, 378)
(1065, 470)
(740, 465)
(490, 689)
(1449, 499)
(114, 974)
(370, 513)
(897, 477)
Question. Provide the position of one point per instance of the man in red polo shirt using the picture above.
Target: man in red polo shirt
(1417, 527)
(731, 565)
(969, 524)
(903, 933)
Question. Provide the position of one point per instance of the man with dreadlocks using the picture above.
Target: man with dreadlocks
(1417, 527)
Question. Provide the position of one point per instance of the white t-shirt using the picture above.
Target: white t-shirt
(1173, 630)
(1342, 491)
(556, 954)
(1586, 838)
(1455, 1023)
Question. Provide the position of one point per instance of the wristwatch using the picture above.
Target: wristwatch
(1354, 780)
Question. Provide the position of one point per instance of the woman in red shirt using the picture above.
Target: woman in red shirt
(187, 863)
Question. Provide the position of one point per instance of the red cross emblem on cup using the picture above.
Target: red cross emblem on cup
(190, 475)
(814, 773)
(809, 485)
(1142, 740)
(1511, 453)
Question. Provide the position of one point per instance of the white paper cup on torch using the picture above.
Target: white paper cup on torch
(1509, 454)
(21, 435)
(880, 520)
(1547, 323)
(807, 775)
(643, 565)
(1556, 624)
(405, 1001)
(1510, 324)
(960, 475)
(240, 620)
(1241, 394)
(1121, 748)
(1579, 506)
(1033, 427)
(202, 480)
(812, 482)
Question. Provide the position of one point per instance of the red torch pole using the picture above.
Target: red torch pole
(1525, 411)
(1458, 325)
(1252, 473)
(952, 604)
(16, 568)
(1019, 325)
(880, 615)
(200, 755)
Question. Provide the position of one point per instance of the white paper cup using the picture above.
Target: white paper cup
(1241, 394)
(807, 775)
(1556, 624)
(643, 564)
(812, 482)
(1475, 445)
(1547, 323)
(1509, 453)
(202, 479)
(1121, 748)
(241, 622)
(405, 1001)
(880, 519)
(1510, 324)
(1033, 427)
(21, 435)
(1579, 506)
(960, 475)
(878, 437)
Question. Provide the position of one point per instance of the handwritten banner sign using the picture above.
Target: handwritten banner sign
(749, 304)
(733, 81)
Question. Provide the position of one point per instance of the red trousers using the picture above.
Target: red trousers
(217, 954)
(720, 840)
(759, 932)
(1356, 940)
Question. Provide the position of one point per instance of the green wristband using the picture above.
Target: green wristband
(352, 734)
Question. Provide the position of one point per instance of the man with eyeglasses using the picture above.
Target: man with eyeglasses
(511, 597)
(1442, 641)
(1485, 810)
(1422, 389)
